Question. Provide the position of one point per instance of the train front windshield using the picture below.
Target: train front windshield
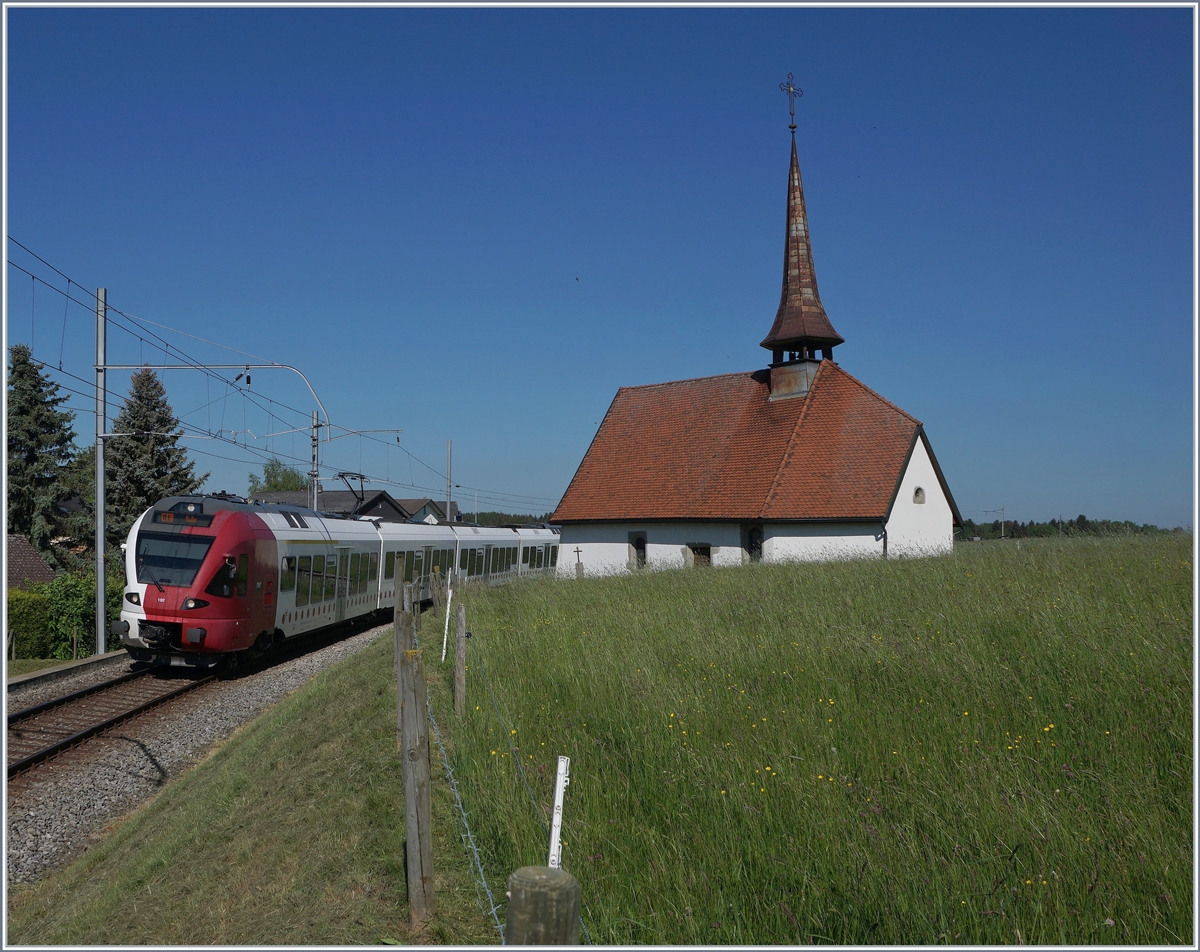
(169, 558)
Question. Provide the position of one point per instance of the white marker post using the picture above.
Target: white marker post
(560, 785)
(446, 630)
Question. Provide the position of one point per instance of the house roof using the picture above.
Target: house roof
(25, 564)
(345, 502)
(719, 448)
(801, 315)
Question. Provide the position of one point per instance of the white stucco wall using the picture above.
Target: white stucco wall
(821, 541)
(605, 548)
(927, 528)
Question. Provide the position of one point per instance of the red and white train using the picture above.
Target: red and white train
(210, 577)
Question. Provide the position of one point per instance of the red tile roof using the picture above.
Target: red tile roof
(718, 448)
(24, 563)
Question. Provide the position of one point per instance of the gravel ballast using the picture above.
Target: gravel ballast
(62, 807)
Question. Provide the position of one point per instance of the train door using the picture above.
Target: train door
(343, 582)
(426, 593)
(260, 584)
(418, 569)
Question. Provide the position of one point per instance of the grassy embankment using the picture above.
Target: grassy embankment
(992, 748)
(291, 833)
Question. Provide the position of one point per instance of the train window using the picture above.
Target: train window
(170, 558)
(554, 555)
(300, 519)
(462, 559)
(287, 517)
(363, 564)
(541, 554)
(287, 578)
(389, 565)
(448, 559)
(525, 555)
(222, 583)
(354, 574)
(331, 577)
(343, 588)
(317, 593)
(418, 563)
(487, 561)
(243, 574)
(303, 574)
(374, 574)
(408, 566)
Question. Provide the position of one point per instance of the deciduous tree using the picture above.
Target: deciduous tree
(278, 477)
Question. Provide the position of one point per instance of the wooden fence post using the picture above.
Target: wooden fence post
(402, 632)
(414, 759)
(543, 907)
(460, 660)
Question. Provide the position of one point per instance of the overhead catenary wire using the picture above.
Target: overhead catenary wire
(190, 362)
(191, 431)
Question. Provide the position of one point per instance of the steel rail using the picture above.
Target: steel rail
(18, 716)
(35, 758)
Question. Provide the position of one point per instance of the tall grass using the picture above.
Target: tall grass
(989, 748)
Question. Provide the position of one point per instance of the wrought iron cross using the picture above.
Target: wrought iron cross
(789, 86)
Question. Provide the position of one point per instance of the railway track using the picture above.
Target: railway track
(39, 732)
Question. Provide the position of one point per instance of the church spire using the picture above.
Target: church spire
(801, 326)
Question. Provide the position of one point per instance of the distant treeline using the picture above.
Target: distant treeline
(504, 518)
(1080, 525)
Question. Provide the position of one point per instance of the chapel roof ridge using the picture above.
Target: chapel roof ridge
(675, 383)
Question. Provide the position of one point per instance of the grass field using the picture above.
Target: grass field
(989, 748)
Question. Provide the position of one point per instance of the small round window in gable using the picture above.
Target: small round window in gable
(919, 495)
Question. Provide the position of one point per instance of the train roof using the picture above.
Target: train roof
(216, 502)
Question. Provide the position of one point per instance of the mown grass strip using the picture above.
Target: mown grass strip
(291, 833)
(989, 748)
(18, 666)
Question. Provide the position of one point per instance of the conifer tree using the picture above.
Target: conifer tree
(148, 465)
(40, 449)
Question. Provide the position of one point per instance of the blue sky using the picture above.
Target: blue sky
(478, 224)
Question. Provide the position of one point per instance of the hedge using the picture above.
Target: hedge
(46, 618)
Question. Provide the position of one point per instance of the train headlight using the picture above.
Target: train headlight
(194, 603)
(133, 598)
